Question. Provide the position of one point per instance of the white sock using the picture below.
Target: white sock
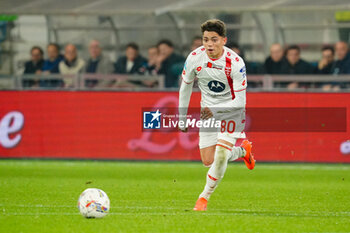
(236, 153)
(216, 171)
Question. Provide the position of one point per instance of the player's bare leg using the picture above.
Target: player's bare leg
(207, 155)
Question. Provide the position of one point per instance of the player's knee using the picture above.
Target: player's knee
(207, 162)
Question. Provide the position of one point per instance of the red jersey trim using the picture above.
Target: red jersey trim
(224, 147)
(240, 90)
(185, 81)
(228, 75)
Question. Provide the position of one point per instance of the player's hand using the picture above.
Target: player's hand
(206, 113)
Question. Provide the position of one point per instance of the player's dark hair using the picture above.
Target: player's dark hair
(133, 46)
(55, 45)
(328, 47)
(167, 42)
(38, 48)
(214, 25)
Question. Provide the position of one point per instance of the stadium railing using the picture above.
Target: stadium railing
(306, 83)
(81, 82)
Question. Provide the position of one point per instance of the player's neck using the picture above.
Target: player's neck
(216, 57)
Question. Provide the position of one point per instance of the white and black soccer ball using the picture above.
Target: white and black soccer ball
(93, 203)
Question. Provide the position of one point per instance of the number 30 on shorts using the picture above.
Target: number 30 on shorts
(228, 126)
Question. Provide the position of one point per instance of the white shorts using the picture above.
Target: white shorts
(232, 128)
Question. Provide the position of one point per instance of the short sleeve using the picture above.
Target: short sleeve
(188, 73)
(239, 77)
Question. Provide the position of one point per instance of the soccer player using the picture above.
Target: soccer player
(222, 80)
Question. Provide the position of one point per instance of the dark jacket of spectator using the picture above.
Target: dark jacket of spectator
(32, 68)
(52, 66)
(171, 67)
(272, 67)
(137, 68)
(301, 67)
(101, 65)
(342, 66)
(328, 69)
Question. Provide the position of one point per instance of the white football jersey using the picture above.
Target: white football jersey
(218, 79)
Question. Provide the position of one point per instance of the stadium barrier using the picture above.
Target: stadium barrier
(109, 125)
(308, 83)
(81, 82)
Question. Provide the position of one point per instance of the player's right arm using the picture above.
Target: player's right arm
(187, 78)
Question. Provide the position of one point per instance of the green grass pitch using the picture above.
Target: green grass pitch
(41, 196)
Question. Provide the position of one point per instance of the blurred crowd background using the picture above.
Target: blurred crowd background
(163, 59)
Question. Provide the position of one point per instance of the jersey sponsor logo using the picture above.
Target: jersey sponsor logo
(199, 68)
(213, 66)
(216, 86)
(151, 120)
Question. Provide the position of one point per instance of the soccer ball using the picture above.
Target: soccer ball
(93, 203)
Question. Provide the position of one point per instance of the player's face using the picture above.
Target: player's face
(214, 44)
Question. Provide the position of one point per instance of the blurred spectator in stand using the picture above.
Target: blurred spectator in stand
(274, 62)
(54, 58)
(33, 66)
(71, 64)
(235, 47)
(51, 66)
(252, 67)
(97, 64)
(196, 42)
(171, 63)
(132, 62)
(325, 65)
(153, 65)
(342, 64)
(296, 66)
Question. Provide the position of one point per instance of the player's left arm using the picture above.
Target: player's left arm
(188, 76)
